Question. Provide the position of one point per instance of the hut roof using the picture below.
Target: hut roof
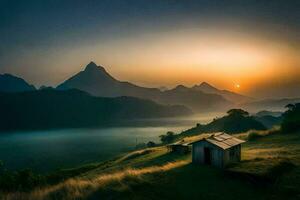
(222, 140)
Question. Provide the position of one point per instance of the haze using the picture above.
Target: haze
(253, 44)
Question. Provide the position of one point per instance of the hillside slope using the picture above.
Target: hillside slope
(10, 83)
(264, 173)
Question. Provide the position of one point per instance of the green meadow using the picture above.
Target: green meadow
(270, 169)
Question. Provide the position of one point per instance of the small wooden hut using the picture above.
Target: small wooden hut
(179, 147)
(219, 149)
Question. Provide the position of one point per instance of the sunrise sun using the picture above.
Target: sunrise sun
(237, 86)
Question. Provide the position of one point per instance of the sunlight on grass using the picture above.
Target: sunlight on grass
(79, 188)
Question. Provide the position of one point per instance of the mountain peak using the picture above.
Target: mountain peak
(205, 84)
(180, 87)
(91, 66)
(205, 87)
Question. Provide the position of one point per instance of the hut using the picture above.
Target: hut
(218, 149)
(179, 147)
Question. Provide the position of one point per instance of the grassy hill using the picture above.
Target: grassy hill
(270, 169)
(236, 121)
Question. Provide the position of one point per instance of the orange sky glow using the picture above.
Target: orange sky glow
(192, 57)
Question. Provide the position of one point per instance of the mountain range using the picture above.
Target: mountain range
(49, 108)
(96, 81)
(204, 97)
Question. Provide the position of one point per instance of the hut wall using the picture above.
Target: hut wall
(232, 155)
(215, 152)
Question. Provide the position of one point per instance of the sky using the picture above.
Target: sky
(253, 44)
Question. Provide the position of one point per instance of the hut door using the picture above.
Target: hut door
(207, 156)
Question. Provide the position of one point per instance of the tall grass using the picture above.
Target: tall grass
(255, 134)
(78, 188)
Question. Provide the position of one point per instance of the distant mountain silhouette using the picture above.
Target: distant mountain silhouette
(96, 81)
(230, 96)
(268, 113)
(269, 104)
(49, 108)
(197, 100)
(10, 83)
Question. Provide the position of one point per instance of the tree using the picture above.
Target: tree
(151, 144)
(238, 112)
(290, 107)
(168, 138)
(291, 118)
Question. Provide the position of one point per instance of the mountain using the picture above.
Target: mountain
(230, 96)
(270, 104)
(10, 83)
(197, 100)
(49, 108)
(96, 81)
(269, 121)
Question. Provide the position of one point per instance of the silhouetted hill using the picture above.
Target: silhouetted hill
(96, 81)
(50, 108)
(269, 118)
(236, 121)
(10, 83)
(230, 96)
(269, 121)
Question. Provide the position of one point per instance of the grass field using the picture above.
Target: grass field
(270, 169)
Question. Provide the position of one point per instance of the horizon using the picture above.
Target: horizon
(150, 99)
(157, 44)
